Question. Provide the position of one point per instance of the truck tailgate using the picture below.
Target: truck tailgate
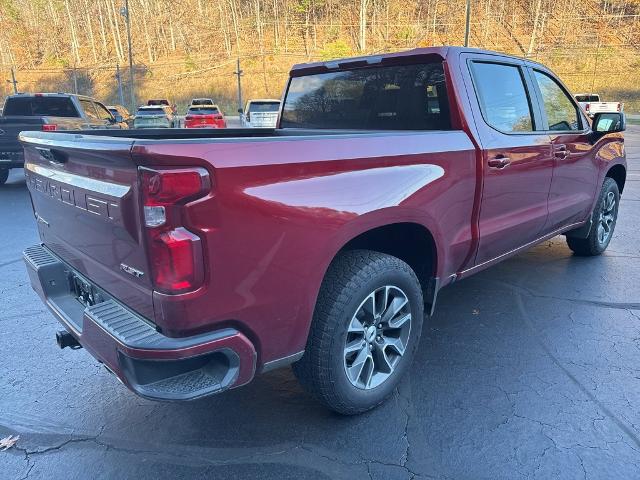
(85, 198)
(10, 127)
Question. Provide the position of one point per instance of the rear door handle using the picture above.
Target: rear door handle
(560, 151)
(499, 162)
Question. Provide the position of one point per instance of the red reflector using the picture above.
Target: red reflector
(49, 127)
(173, 256)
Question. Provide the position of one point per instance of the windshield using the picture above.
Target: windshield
(201, 101)
(409, 97)
(40, 106)
(158, 102)
(264, 107)
(203, 111)
(151, 111)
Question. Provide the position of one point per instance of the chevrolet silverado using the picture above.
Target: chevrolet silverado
(189, 261)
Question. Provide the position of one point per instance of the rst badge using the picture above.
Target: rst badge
(131, 271)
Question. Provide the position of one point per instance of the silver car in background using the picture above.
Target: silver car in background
(155, 116)
(260, 113)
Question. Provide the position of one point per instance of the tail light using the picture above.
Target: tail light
(175, 253)
(49, 127)
(189, 117)
(218, 117)
(618, 108)
(586, 107)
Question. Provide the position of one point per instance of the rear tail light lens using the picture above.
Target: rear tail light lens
(49, 127)
(167, 187)
(175, 253)
(586, 107)
(189, 117)
(618, 107)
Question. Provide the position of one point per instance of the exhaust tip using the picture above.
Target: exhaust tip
(64, 339)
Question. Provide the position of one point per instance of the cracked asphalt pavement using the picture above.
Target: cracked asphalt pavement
(530, 369)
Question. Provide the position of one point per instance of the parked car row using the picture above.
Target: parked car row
(66, 111)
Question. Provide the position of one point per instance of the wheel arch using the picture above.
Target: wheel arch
(410, 241)
(619, 173)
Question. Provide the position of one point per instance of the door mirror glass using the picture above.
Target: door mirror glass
(239, 110)
(609, 122)
(118, 118)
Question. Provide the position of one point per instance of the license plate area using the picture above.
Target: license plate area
(84, 291)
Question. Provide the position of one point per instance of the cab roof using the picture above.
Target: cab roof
(428, 54)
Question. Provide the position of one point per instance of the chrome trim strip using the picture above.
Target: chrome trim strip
(98, 186)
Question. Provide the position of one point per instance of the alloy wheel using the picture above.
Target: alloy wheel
(377, 337)
(607, 218)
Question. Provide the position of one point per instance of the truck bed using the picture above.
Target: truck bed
(272, 181)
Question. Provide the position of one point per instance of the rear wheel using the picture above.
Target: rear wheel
(604, 217)
(365, 330)
(4, 175)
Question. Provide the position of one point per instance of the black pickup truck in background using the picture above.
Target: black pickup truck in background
(46, 112)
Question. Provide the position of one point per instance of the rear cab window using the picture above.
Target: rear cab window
(587, 98)
(152, 111)
(259, 107)
(40, 106)
(408, 97)
(204, 110)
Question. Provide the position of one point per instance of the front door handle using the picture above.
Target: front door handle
(499, 162)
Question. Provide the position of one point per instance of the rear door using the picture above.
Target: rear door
(575, 170)
(517, 158)
(85, 198)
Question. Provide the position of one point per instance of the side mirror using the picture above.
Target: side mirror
(604, 123)
(118, 118)
(240, 111)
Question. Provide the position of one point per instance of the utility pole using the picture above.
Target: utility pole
(238, 72)
(13, 81)
(75, 80)
(467, 25)
(124, 11)
(119, 79)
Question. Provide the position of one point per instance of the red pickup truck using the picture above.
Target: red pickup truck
(189, 261)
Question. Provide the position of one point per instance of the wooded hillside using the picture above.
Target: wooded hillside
(188, 48)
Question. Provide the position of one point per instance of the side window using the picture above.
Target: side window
(503, 97)
(89, 109)
(561, 113)
(103, 113)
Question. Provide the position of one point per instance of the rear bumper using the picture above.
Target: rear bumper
(151, 364)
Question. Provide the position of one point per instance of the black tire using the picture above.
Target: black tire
(595, 244)
(353, 277)
(4, 175)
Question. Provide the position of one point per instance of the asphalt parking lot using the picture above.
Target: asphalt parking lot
(530, 369)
